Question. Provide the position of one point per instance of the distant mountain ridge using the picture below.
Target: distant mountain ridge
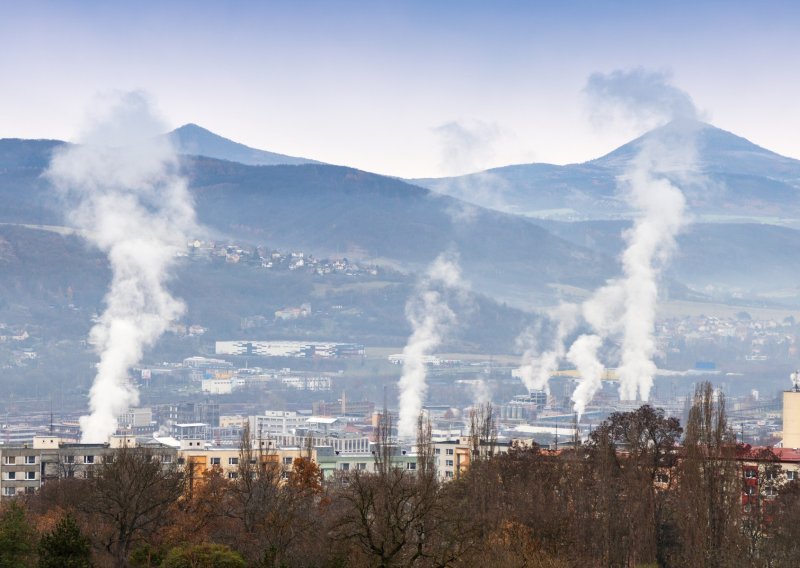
(742, 181)
(193, 140)
(340, 211)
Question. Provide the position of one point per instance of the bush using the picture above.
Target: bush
(203, 556)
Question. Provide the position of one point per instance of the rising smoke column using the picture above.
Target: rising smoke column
(537, 366)
(664, 155)
(430, 317)
(625, 308)
(583, 354)
(122, 189)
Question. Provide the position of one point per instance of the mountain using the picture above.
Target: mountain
(193, 140)
(736, 258)
(742, 181)
(54, 279)
(25, 196)
(340, 211)
(345, 212)
(52, 286)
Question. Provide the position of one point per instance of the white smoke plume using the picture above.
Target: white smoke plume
(646, 98)
(481, 394)
(630, 303)
(123, 190)
(583, 354)
(537, 366)
(625, 308)
(468, 148)
(430, 317)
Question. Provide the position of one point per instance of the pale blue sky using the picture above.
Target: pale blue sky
(367, 83)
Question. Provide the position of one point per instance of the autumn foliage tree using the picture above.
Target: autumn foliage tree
(634, 494)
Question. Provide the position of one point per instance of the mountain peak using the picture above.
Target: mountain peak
(192, 139)
(717, 149)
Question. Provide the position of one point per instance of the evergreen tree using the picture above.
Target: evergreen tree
(16, 538)
(65, 546)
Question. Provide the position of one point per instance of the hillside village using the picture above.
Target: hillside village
(264, 257)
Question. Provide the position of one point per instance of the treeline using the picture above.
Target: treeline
(642, 492)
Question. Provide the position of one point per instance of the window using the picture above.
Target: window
(662, 478)
(30, 459)
(411, 465)
(345, 467)
(233, 474)
(287, 461)
(448, 474)
(449, 451)
(770, 491)
(448, 463)
(166, 459)
(181, 461)
(30, 475)
(361, 466)
(215, 461)
(791, 475)
(69, 459)
(30, 490)
(11, 460)
(11, 475)
(9, 491)
(233, 461)
(437, 451)
(88, 459)
(771, 475)
(750, 474)
(750, 490)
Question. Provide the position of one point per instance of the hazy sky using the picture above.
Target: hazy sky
(385, 86)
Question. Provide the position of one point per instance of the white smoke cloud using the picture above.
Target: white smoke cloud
(430, 317)
(646, 98)
(625, 308)
(467, 146)
(481, 394)
(583, 354)
(122, 188)
(660, 209)
(471, 147)
(537, 366)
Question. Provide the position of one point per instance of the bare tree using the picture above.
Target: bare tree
(709, 494)
(259, 514)
(394, 516)
(129, 496)
(636, 456)
(426, 464)
(482, 432)
(761, 476)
